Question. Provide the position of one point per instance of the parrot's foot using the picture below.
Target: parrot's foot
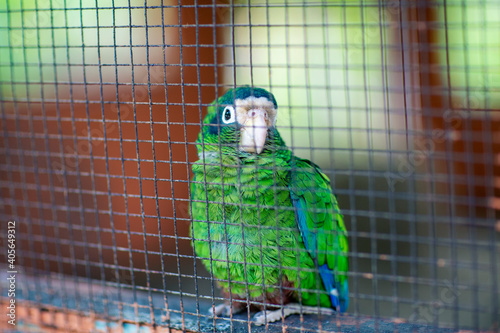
(220, 310)
(224, 310)
(264, 317)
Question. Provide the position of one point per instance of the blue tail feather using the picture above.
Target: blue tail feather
(344, 296)
(339, 298)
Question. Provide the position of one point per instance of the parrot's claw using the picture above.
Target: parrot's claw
(264, 317)
(220, 310)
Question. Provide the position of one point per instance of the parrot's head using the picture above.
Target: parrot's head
(241, 122)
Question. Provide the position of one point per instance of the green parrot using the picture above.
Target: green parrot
(265, 223)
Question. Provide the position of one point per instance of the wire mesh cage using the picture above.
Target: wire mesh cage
(103, 168)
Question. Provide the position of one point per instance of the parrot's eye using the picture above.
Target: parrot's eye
(228, 115)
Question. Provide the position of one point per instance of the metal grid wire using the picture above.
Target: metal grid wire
(101, 104)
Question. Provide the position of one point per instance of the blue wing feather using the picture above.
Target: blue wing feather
(339, 298)
(329, 283)
(308, 237)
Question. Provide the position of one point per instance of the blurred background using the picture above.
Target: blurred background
(398, 101)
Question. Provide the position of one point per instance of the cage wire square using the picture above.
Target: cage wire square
(102, 103)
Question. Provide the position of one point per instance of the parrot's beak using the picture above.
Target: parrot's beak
(254, 131)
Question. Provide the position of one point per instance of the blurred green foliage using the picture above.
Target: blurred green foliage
(472, 30)
(331, 66)
(334, 72)
(46, 42)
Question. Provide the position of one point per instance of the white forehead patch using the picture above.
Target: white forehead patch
(254, 103)
(262, 103)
